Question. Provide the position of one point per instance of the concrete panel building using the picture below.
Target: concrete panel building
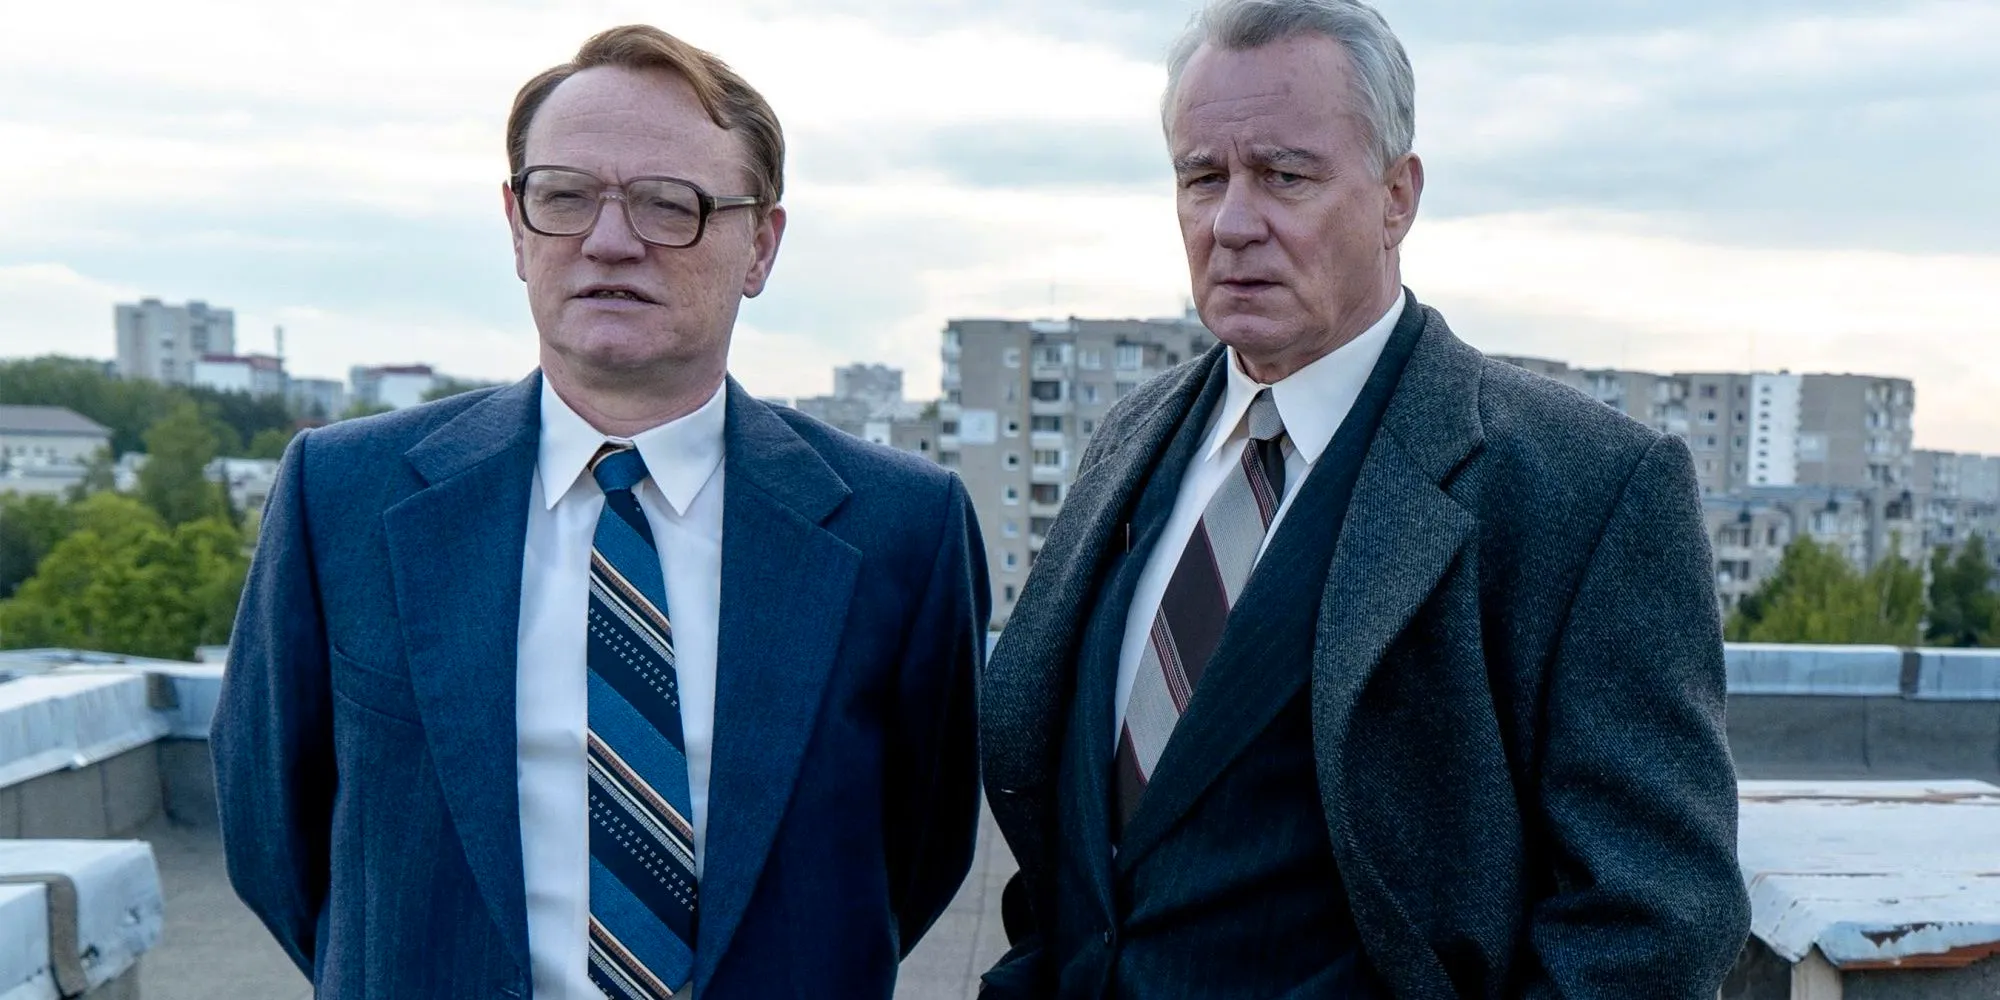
(1022, 400)
(393, 386)
(256, 374)
(166, 342)
(317, 398)
(1855, 431)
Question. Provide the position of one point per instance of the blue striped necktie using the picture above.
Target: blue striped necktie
(642, 873)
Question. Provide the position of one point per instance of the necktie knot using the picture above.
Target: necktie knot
(1265, 423)
(618, 467)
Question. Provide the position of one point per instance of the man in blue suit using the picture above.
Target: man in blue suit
(615, 681)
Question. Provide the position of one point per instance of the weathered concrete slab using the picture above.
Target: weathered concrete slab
(1788, 669)
(1958, 675)
(1873, 874)
(24, 944)
(50, 722)
(119, 906)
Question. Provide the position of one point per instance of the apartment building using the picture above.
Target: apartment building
(1021, 402)
(256, 374)
(166, 342)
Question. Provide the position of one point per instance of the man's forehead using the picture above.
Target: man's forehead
(621, 114)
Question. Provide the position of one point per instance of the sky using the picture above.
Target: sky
(1694, 185)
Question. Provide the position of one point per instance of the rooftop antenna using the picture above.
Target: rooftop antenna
(278, 335)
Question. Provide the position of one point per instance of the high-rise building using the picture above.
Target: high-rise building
(165, 343)
(317, 398)
(1021, 401)
(1855, 431)
(878, 384)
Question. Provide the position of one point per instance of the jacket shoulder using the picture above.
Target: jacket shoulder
(1531, 418)
(394, 432)
(867, 467)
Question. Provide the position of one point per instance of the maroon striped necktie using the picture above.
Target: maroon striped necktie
(1206, 582)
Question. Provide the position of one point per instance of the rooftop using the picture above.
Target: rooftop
(48, 420)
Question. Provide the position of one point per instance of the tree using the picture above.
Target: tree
(361, 409)
(100, 475)
(1817, 596)
(1964, 609)
(129, 406)
(448, 386)
(29, 527)
(269, 443)
(174, 481)
(125, 582)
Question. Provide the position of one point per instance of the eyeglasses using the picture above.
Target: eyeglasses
(662, 211)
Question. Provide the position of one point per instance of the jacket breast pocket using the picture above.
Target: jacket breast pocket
(374, 690)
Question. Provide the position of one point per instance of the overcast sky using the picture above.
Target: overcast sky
(1700, 184)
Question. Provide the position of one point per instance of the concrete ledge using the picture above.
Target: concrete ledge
(56, 721)
(1958, 675)
(1788, 669)
(118, 914)
(1873, 875)
(24, 944)
(108, 799)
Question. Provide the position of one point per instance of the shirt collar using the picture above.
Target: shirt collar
(681, 455)
(1314, 400)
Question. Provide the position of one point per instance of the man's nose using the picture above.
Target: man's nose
(1239, 220)
(612, 239)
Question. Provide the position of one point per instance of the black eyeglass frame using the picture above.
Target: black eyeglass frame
(709, 204)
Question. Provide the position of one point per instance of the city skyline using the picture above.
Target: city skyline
(1654, 187)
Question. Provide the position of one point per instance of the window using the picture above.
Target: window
(1124, 389)
(1090, 357)
(1048, 458)
(1050, 355)
(948, 427)
(1043, 493)
(1009, 591)
(1131, 356)
(1089, 427)
(1042, 424)
(950, 337)
(1012, 393)
(1089, 391)
(1010, 528)
(1010, 560)
(948, 459)
(1013, 427)
(1708, 417)
(1040, 526)
(1011, 357)
(1010, 495)
(1012, 461)
(1709, 441)
(1738, 440)
(1046, 391)
(1708, 392)
(955, 397)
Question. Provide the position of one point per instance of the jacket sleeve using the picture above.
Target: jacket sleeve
(1637, 795)
(934, 763)
(272, 737)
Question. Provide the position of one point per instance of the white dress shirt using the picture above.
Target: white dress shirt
(682, 498)
(1312, 402)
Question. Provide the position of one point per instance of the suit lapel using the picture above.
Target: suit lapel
(1262, 660)
(1089, 758)
(786, 584)
(1032, 673)
(455, 556)
(1403, 533)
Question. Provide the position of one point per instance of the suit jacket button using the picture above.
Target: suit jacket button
(1109, 937)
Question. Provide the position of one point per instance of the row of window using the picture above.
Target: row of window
(1127, 357)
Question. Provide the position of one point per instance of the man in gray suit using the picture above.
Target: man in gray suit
(1357, 665)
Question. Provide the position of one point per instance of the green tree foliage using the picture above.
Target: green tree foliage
(269, 443)
(361, 409)
(125, 582)
(1964, 610)
(29, 527)
(174, 481)
(129, 406)
(448, 386)
(1817, 596)
(100, 475)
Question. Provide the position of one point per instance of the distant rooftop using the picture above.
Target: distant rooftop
(48, 420)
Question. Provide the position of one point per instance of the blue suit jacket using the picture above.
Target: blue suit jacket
(365, 743)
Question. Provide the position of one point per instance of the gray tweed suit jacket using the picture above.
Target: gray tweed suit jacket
(1517, 691)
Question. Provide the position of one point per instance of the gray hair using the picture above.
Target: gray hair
(1388, 88)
